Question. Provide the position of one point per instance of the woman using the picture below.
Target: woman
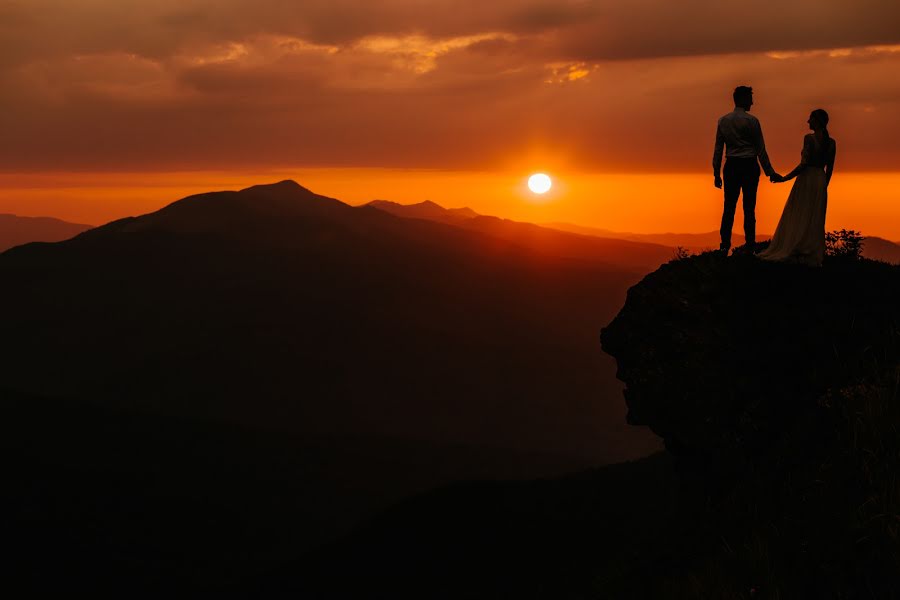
(800, 236)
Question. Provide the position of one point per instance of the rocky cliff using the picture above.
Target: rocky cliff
(721, 355)
(777, 389)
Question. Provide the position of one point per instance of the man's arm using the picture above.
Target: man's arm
(761, 151)
(717, 155)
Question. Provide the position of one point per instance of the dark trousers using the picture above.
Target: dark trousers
(741, 175)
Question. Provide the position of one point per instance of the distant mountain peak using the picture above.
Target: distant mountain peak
(281, 186)
(427, 209)
(15, 230)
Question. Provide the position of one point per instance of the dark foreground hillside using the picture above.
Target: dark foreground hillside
(776, 388)
(100, 499)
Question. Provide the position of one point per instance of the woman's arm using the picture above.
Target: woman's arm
(794, 173)
(803, 157)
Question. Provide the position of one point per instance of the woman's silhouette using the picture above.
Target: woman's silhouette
(800, 236)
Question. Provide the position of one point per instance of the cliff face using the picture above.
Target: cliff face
(721, 355)
(777, 388)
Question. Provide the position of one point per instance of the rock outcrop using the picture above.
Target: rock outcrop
(721, 355)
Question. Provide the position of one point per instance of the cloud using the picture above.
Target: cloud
(434, 83)
(571, 29)
(651, 28)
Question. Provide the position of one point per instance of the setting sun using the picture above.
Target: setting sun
(539, 183)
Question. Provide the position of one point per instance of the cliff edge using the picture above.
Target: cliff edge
(721, 356)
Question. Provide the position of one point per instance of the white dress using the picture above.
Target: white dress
(800, 235)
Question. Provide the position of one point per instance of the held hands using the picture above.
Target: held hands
(776, 178)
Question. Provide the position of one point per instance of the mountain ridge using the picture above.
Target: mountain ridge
(425, 209)
(229, 295)
(17, 230)
(638, 255)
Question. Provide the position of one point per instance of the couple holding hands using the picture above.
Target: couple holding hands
(800, 235)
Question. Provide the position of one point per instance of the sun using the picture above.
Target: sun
(540, 183)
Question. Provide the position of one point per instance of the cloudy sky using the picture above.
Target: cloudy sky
(580, 88)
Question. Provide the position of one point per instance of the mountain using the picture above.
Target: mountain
(637, 255)
(775, 389)
(875, 248)
(878, 248)
(15, 231)
(281, 295)
(424, 210)
(338, 358)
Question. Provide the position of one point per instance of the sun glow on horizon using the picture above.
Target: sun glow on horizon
(540, 183)
(623, 202)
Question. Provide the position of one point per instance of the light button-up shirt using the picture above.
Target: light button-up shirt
(740, 134)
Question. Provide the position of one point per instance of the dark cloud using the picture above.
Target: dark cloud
(437, 83)
(650, 28)
(574, 29)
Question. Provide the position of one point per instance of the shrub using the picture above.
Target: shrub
(844, 243)
(680, 253)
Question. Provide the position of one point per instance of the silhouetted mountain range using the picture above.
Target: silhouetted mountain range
(646, 250)
(425, 210)
(878, 248)
(15, 231)
(623, 253)
(389, 355)
(281, 295)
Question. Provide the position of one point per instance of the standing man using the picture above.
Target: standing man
(741, 135)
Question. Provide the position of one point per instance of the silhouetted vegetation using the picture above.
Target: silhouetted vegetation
(680, 253)
(844, 243)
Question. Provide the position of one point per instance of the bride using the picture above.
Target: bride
(800, 236)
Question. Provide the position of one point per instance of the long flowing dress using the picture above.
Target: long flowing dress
(800, 235)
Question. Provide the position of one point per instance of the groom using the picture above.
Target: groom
(741, 135)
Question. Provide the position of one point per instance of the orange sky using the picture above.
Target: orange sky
(869, 202)
(110, 108)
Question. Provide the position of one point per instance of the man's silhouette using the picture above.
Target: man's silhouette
(741, 135)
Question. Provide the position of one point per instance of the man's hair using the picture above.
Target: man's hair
(741, 93)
